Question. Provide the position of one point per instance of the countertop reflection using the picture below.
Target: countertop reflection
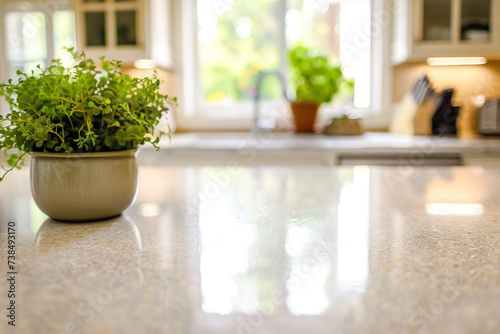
(233, 249)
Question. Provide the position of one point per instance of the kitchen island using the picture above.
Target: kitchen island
(263, 249)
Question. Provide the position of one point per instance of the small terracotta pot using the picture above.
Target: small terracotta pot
(304, 115)
(84, 186)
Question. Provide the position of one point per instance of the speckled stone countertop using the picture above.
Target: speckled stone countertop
(265, 250)
(269, 148)
(369, 141)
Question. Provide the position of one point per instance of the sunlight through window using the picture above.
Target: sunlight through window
(454, 209)
(353, 232)
(237, 39)
(306, 284)
(36, 34)
(224, 257)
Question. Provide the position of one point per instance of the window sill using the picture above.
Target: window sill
(373, 123)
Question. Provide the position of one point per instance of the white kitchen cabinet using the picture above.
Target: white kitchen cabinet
(440, 28)
(114, 28)
(125, 29)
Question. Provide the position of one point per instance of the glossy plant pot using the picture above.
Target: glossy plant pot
(84, 186)
(304, 116)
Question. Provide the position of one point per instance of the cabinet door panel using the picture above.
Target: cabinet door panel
(475, 20)
(117, 28)
(446, 28)
(95, 28)
(437, 20)
(126, 28)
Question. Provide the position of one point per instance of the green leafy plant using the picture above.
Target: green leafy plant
(314, 78)
(80, 109)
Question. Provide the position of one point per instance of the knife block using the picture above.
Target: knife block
(402, 121)
(422, 122)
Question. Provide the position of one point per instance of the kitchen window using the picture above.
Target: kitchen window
(226, 43)
(35, 33)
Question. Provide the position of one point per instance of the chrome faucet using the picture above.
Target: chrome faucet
(256, 106)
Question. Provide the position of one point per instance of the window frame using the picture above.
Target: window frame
(3, 58)
(48, 9)
(192, 116)
(19, 7)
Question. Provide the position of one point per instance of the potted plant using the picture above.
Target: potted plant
(315, 80)
(82, 127)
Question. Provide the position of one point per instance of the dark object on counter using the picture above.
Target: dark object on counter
(444, 121)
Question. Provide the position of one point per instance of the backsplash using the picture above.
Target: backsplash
(467, 81)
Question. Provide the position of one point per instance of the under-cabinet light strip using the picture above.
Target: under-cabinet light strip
(447, 61)
(145, 64)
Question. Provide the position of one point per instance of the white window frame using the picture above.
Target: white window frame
(191, 117)
(48, 8)
(3, 63)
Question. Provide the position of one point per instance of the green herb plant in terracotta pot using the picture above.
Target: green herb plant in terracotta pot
(82, 127)
(315, 80)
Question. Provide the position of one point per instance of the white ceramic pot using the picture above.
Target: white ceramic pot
(84, 186)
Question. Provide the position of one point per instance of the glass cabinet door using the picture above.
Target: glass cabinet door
(95, 28)
(437, 20)
(471, 19)
(126, 28)
(475, 20)
(110, 23)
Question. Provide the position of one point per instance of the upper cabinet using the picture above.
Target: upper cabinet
(426, 28)
(114, 28)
